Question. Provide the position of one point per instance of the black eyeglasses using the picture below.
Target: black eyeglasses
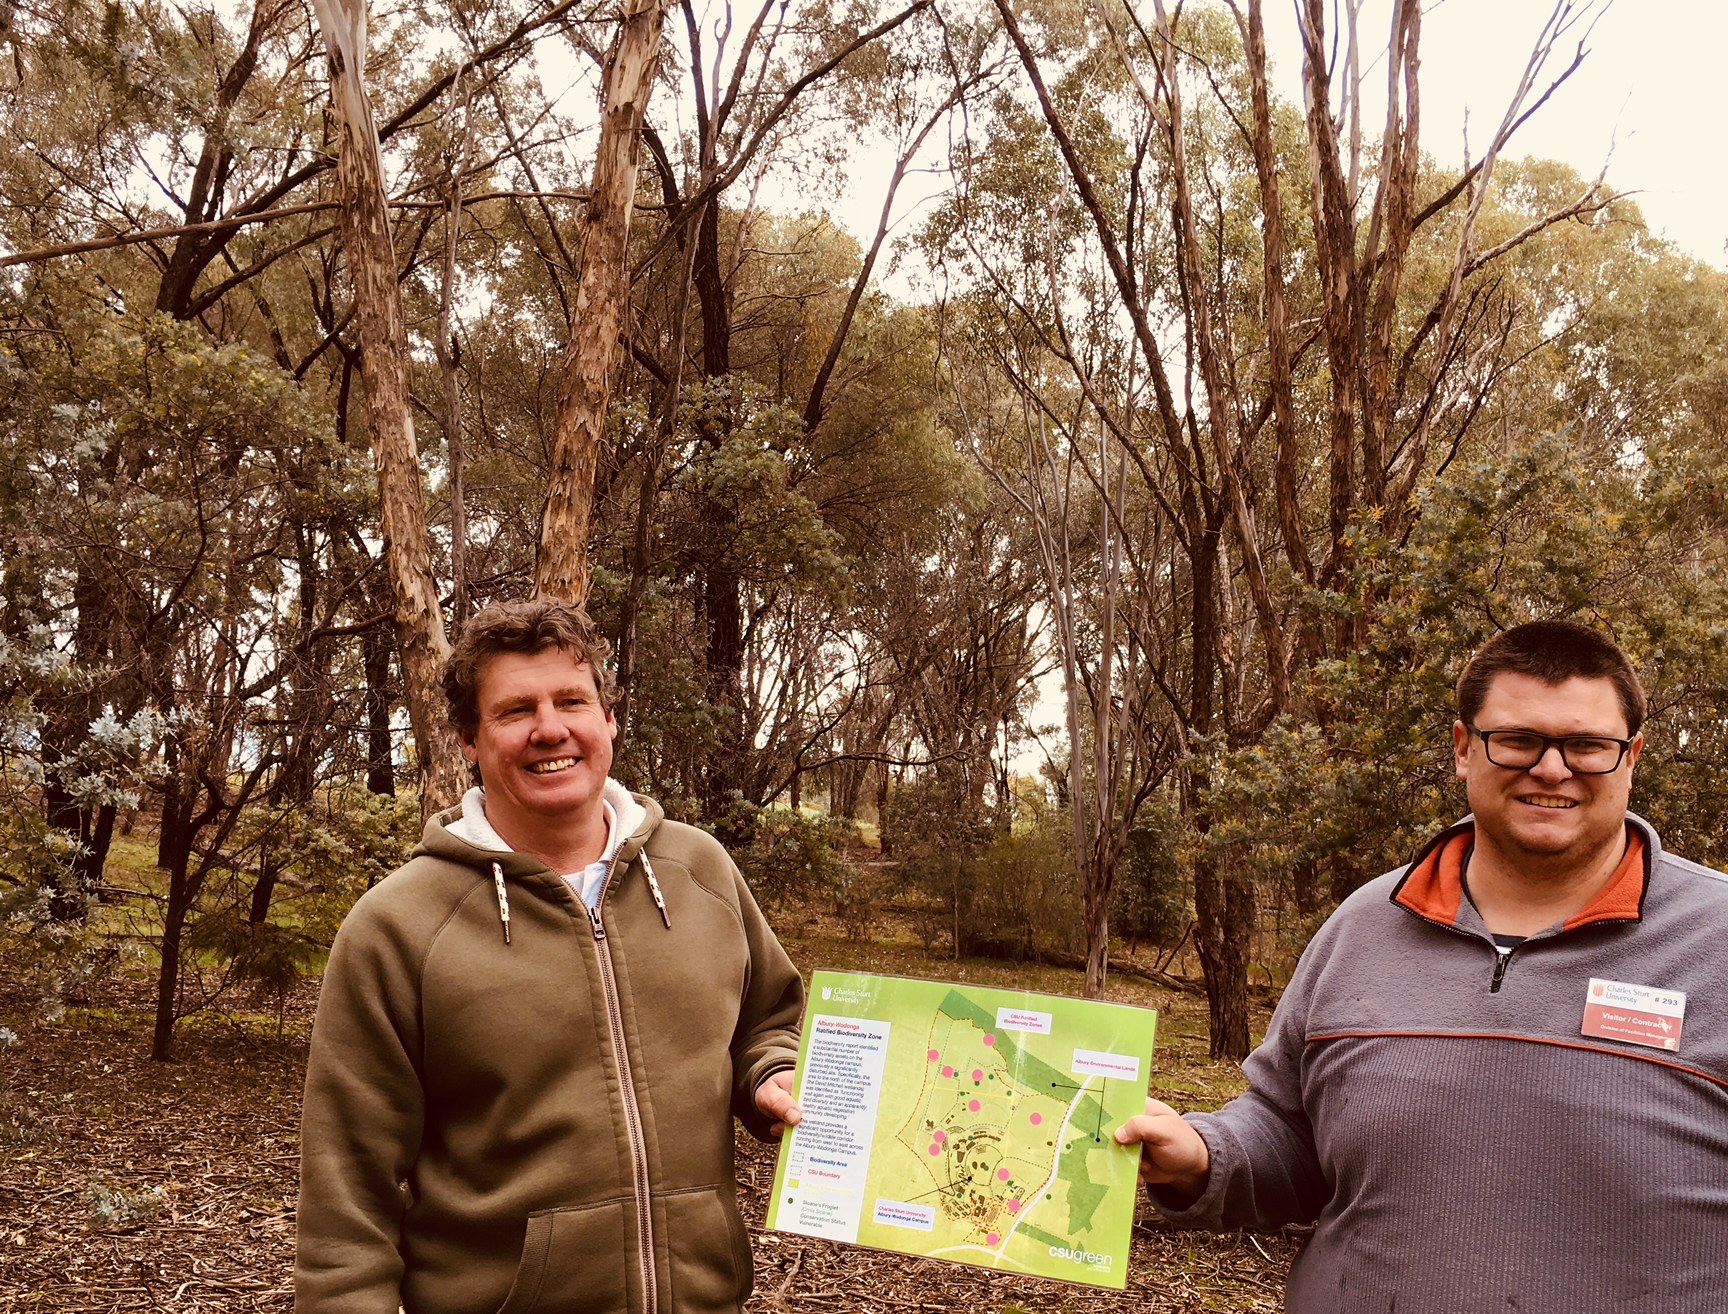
(1584, 755)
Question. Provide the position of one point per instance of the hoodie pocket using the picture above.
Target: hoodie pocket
(573, 1261)
(708, 1251)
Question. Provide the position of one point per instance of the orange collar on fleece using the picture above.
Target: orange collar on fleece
(1434, 885)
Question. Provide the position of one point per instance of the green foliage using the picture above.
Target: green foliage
(855, 894)
(270, 958)
(101, 766)
(1537, 533)
(1026, 903)
(777, 530)
(66, 960)
(336, 845)
(34, 857)
(792, 856)
(936, 835)
(1151, 901)
(1003, 892)
(282, 886)
(66, 957)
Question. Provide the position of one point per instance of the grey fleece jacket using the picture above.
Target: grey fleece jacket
(1459, 1141)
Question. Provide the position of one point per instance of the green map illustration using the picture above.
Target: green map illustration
(967, 1123)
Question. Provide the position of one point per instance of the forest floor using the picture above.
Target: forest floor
(129, 1185)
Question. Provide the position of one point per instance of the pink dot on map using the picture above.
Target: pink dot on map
(1037, 1118)
(973, 1105)
(935, 1054)
(935, 1149)
(940, 1137)
(1002, 1174)
(993, 1239)
(1013, 1206)
(947, 1070)
(977, 1074)
(990, 1039)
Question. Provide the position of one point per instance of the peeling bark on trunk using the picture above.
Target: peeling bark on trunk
(602, 298)
(421, 640)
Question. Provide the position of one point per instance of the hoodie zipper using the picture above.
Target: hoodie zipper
(632, 1116)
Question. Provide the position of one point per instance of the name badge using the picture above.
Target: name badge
(1641, 1015)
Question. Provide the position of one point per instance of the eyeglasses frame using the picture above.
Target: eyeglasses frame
(1551, 741)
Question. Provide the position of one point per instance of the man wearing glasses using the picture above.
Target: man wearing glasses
(1499, 1078)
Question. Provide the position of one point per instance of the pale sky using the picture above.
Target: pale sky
(1649, 101)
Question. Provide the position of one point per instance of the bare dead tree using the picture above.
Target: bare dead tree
(1388, 390)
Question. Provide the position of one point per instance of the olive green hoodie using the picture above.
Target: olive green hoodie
(514, 1103)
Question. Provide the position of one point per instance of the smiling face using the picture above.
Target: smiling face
(1546, 818)
(543, 743)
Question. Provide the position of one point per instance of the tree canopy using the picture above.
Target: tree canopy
(1231, 424)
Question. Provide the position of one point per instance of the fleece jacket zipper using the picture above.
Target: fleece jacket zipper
(1505, 960)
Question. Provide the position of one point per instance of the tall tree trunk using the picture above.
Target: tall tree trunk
(309, 702)
(1220, 931)
(182, 894)
(68, 725)
(1095, 908)
(602, 297)
(1280, 382)
(375, 661)
(1224, 912)
(449, 365)
(207, 759)
(723, 659)
(421, 641)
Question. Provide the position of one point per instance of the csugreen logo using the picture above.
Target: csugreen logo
(1090, 1257)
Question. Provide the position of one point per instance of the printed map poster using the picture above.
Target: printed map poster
(967, 1123)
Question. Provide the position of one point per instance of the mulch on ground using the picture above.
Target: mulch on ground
(132, 1185)
(129, 1185)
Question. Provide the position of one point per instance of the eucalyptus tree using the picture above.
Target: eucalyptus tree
(187, 478)
(756, 88)
(383, 336)
(98, 92)
(1597, 495)
(1261, 323)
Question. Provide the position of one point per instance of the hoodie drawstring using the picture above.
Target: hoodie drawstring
(504, 900)
(654, 889)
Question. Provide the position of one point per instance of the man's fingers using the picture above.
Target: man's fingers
(774, 1097)
(1155, 1127)
(1171, 1151)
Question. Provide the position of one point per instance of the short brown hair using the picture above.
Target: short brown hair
(1553, 652)
(523, 627)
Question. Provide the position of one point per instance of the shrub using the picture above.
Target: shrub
(116, 1209)
(792, 856)
(1026, 904)
(937, 839)
(1150, 903)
